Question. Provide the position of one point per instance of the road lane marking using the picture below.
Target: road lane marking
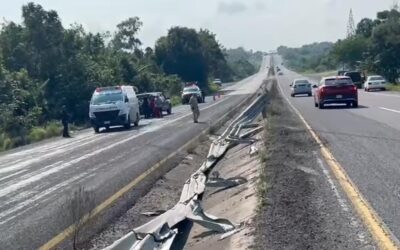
(380, 94)
(58, 239)
(392, 110)
(379, 231)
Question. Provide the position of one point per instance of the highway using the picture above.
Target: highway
(37, 180)
(365, 141)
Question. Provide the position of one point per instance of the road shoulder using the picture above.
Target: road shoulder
(301, 205)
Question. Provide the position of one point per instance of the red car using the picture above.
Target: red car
(336, 90)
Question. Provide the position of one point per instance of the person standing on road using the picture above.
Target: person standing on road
(152, 107)
(64, 121)
(146, 108)
(194, 105)
(159, 105)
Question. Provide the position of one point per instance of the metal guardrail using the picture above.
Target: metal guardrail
(161, 232)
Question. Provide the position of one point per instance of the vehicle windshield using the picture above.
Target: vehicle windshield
(301, 82)
(376, 78)
(190, 89)
(106, 97)
(338, 82)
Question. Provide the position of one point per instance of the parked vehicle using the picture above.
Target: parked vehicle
(217, 81)
(336, 90)
(190, 90)
(356, 77)
(375, 82)
(113, 106)
(300, 87)
(166, 102)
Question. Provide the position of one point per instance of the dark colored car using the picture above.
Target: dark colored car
(336, 90)
(167, 106)
(356, 77)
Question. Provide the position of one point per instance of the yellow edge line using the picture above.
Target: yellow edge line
(382, 235)
(66, 233)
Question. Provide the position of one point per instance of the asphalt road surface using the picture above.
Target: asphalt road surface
(35, 181)
(365, 141)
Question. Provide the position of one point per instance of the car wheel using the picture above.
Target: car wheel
(309, 94)
(316, 104)
(136, 123)
(169, 111)
(321, 106)
(128, 124)
(348, 104)
(383, 89)
(107, 128)
(355, 104)
(292, 95)
(96, 129)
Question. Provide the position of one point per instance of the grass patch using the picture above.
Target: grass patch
(393, 87)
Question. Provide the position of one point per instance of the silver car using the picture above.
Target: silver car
(301, 87)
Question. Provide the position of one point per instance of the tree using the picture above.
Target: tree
(181, 53)
(364, 27)
(386, 48)
(350, 51)
(125, 37)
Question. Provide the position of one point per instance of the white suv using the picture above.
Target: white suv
(112, 106)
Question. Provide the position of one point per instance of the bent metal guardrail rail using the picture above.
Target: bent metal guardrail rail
(161, 232)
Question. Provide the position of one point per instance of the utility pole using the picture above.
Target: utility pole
(351, 30)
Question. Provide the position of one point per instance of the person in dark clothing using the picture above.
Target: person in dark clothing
(64, 121)
(146, 108)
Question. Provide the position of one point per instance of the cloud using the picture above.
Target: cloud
(231, 8)
(259, 6)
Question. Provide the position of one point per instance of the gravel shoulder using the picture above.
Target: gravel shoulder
(301, 206)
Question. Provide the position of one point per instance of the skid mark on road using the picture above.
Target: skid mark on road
(391, 110)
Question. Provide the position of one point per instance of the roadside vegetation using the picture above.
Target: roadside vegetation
(374, 49)
(45, 66)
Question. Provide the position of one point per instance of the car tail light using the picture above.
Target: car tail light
(354, 88)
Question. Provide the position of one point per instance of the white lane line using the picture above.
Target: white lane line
(380, 94)
(391, 110)
(58, 166)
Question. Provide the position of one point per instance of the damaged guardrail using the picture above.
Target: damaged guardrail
(161, 232)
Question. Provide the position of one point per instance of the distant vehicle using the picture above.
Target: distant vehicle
(341, 72)
(112, 106)
(336, 90)
(300, 87)
(190, 90)
(280, 73)
(166, 107)
(375, 82)
(356, 77)
(217, 81)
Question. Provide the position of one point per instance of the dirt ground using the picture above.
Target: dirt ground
(301, 206)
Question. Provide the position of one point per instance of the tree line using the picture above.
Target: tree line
(374, 48)
(45, 66)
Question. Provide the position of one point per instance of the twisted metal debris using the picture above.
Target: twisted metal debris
(161, 232)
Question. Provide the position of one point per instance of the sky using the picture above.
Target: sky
(254, 24)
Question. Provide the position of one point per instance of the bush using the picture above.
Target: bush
(37, 134)
(53, 129)
(5, 142)
(176, 100)
(213, 88)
